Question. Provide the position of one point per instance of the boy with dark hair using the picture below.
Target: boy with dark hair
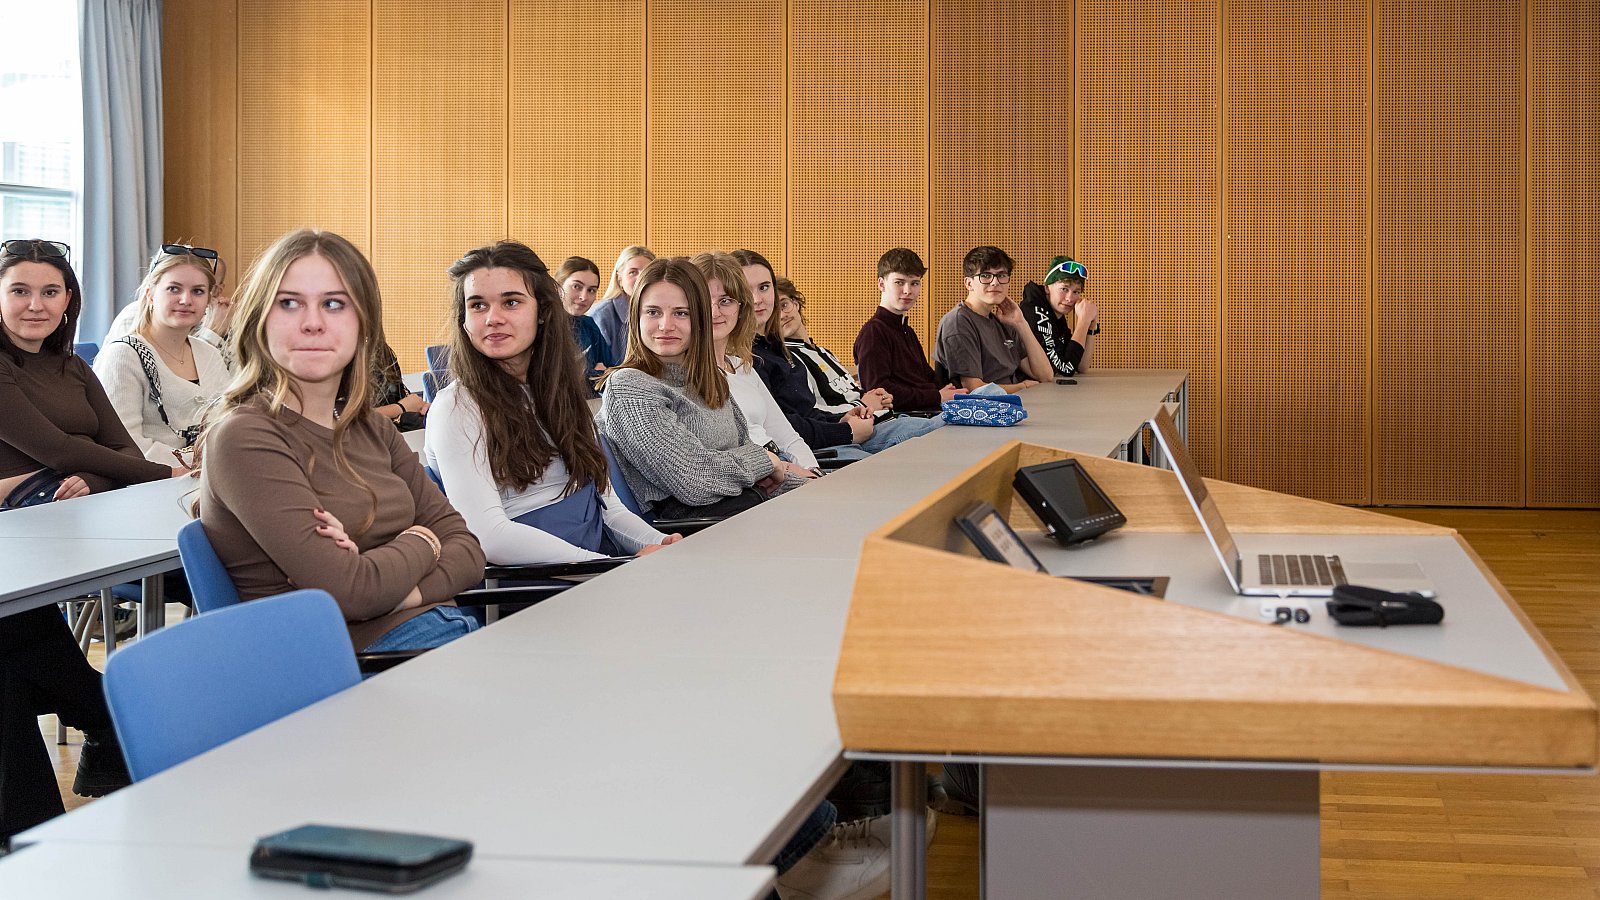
(1068, 346)
(888, 352)
(985, 339)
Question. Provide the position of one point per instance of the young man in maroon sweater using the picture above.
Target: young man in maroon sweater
(888, 353)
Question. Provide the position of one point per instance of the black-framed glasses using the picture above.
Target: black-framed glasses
(992, 277)
(39, 246)
(213, 261)
(1071, 267)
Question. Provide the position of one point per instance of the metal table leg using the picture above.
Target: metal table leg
(908, 831)
(152, 603)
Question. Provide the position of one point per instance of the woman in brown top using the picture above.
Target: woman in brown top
(303, 484)
(59, 439)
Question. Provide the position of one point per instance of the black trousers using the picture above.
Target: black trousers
(41, 671)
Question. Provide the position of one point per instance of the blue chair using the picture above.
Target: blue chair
(88, 350)
(209, 582)
(438, 356)
(201, 683)
(433, 383)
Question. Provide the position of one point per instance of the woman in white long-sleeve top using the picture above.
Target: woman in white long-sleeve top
(161, 377)
(511, 436)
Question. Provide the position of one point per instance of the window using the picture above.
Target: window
(41, 130)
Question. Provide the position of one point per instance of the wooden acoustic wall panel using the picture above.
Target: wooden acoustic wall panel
(200, 113)
(1147, 193)
(1563, 246)
(1295, 244)
(1000, 141)
(715, 151)
(1447, 268)
(858, 157)
(576, 114)
(304, 103)
(439, 157)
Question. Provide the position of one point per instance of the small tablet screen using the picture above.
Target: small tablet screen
(1067, 499)
(995, 539)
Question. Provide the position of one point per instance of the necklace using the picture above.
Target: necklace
(180, 360)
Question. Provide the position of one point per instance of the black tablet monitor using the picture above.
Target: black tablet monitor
(1072, 507)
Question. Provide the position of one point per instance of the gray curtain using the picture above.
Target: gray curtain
(120, 48)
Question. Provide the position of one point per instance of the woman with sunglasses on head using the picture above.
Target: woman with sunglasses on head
(1068, 344)
(127, 318)
(59, 438)
(732, 329)
(681, 443)
(303, 484)
(162, 376)
(511, 437)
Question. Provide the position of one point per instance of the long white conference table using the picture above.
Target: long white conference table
(676, 710)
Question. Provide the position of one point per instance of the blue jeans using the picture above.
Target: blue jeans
(434, 628)
(810, 834)
(887, 433)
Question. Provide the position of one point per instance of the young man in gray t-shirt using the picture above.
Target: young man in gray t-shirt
(985, 338)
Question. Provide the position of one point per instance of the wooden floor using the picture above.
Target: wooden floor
(1422, 836)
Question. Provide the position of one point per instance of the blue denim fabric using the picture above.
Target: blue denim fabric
(893, 431)
(434, 628)
(810, 834)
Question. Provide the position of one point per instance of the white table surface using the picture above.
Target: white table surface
(69, 870)
(678, 709)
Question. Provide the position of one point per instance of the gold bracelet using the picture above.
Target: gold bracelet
(433, 542)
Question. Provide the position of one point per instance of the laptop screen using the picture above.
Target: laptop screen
(1194, 486)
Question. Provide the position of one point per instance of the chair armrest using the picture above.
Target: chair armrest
(383, 660)
(582, 569)
(509, 596)
(685, 526)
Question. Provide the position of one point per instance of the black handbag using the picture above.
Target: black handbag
(1356, 605)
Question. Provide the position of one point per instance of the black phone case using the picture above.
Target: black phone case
(1366, 606)
(330, 856)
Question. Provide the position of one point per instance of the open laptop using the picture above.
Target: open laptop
(1270, 573)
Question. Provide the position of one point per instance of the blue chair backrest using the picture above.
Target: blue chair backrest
(88, 350)
(435, 477)
(438, 358)
(209, 581)
(182, 690)
(433, 383)
(619, 484)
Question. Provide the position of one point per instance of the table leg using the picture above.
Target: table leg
(108, 619)
(152, 603)
(908, 830)
(1123, 832)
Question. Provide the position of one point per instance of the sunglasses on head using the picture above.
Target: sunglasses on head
(1072, 268)
(213, 261)
(33, 246)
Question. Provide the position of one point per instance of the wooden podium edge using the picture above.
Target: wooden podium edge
(946, 652)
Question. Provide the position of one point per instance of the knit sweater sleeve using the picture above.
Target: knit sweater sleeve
(118, 368)
(645, 419)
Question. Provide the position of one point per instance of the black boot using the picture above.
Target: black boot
(101, 768)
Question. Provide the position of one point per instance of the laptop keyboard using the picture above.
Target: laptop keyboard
(1303, 569)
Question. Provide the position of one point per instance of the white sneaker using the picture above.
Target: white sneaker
(851, 863)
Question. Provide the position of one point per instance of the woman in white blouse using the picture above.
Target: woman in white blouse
(511, 437)
(733, 328)
(161, 377)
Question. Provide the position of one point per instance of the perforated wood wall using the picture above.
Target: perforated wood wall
(304, 104)
(1366, 227)
(858, 172)
(1295, 254)
(1447, 176)
(1563, 319)
(439, 155)
(1147, 192)
(574, 127)
(715, 127)
(1000, 142)
(202, 152)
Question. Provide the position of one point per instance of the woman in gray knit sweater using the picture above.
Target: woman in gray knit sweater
(681, 442)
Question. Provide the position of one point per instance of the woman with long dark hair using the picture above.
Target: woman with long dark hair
(511, 437)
